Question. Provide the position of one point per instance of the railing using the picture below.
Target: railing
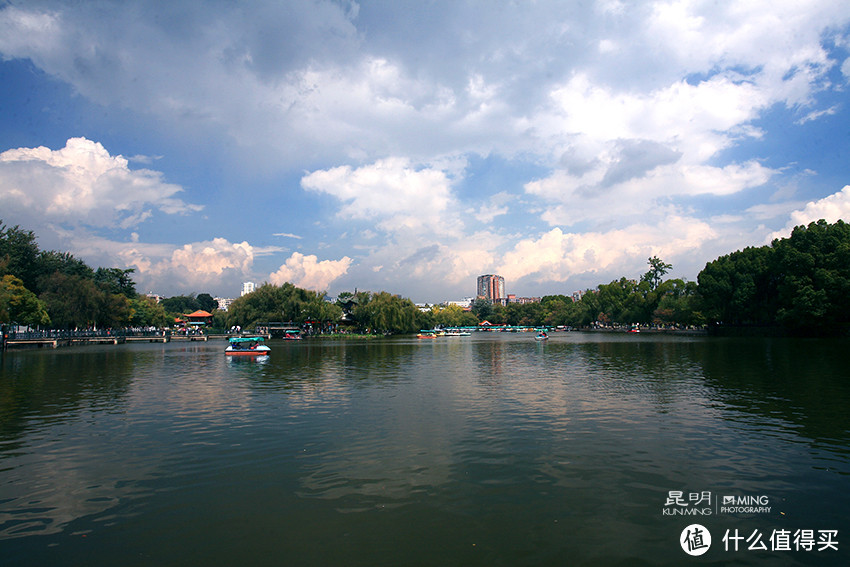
(85, 334)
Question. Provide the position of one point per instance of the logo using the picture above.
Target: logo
(695, 539)
(704, 503)
(745, 505)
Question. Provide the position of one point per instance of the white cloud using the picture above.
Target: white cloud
(82, 184)
(310, 273)
(392, 192)
(586, 198)
(559, 256)
(830, 209)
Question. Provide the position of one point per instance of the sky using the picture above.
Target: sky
(410, 147)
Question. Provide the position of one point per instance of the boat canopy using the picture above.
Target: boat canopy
(246, 339)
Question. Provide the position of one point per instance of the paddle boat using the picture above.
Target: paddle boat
(541, 336)
(247, 346)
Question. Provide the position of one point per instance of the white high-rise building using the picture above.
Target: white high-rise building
(248, 287)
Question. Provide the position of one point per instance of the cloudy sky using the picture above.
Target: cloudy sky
(412, 146)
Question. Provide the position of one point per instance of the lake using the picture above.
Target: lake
(493, 449)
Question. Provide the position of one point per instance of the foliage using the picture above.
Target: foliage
(281, 304)
(449, 316)
(207, 302)
(148, 313)
(75, 301)
(20, 305)
(180, 305)
(657, 270)
(18, 254)
(116, 281)
(482, 308)
(384, 313)
(801, 283)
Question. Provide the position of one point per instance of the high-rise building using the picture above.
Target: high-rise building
(248, 287)
(492, 287)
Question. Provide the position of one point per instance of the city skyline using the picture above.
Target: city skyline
(383, 146)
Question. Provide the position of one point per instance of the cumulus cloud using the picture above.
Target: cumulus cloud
(82, 184)
(587, 198)
(392, 192)
(310, 273)
(830, 209)
(557, 255)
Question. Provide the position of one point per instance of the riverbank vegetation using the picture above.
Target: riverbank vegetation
(799, 284)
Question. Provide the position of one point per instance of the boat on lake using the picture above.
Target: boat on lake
(247, 346)
(541, 336)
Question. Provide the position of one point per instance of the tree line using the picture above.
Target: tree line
(800, 284)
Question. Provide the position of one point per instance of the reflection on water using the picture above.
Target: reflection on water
(493, 449)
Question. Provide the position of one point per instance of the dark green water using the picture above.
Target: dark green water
(485, 450)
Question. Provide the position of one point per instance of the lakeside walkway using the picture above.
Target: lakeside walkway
(54, 339)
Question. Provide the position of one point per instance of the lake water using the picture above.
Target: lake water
(494, 449)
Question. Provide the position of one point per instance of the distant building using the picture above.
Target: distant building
(154, 296)
(248, 287)
(522, 300)
(492, 287)
(224, 302)
(465, 303)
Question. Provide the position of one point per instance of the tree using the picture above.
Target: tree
(20, 305)
(72, 301)
(51, 261)
(656, 272)
(207, 302)
(147, 312)
(482, 308)
(116, 281)
(813, 272)
(180, 304)
(385, 313)
(740, 288)
(18, 254)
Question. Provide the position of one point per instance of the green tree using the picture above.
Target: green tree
(482, 308)
(20, 305)
(18, 254)
(740, 288)
(116, 281)
(281, 303)
(813, 269)
(72, 301)
(51, 261)
(657, 270)
(384, 313)
(207, 302)
(180, 304)
(147, 312)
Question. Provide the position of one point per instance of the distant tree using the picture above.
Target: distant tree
(281, 303)
(51, 261)
(180, 304)
(20, 305)
(147, 312)
(18, 254)
(116, 281)
(72, 301)
(814, 267)
(740, 288)
(657, 270)
(207, 302)
(385, 313)
(482, 308)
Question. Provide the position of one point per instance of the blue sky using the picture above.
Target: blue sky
(412, 146)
